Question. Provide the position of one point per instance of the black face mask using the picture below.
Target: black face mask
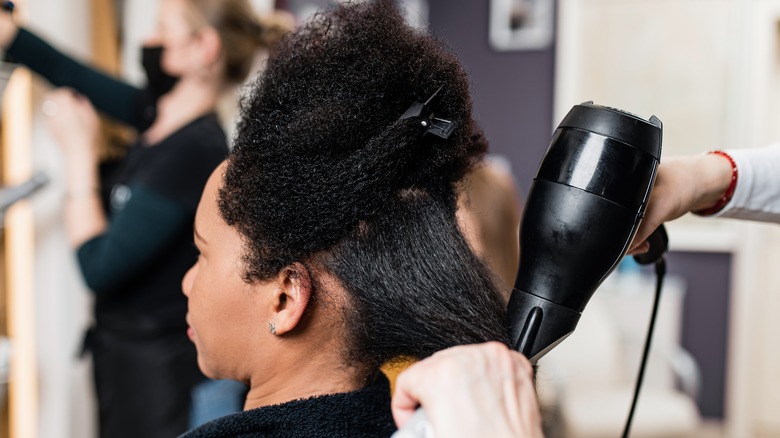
(158, 81)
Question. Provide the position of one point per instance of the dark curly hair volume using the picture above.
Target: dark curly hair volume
(323, 168)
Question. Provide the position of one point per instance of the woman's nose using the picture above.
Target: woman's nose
(186, 281)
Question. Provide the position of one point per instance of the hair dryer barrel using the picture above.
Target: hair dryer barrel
(582, 211)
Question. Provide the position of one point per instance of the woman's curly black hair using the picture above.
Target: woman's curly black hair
(323, 167)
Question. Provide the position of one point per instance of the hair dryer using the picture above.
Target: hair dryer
(581, 214)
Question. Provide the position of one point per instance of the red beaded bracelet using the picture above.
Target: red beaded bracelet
(726, 197)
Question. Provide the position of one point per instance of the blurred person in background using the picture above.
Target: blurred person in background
(489, 210)
(132, 227)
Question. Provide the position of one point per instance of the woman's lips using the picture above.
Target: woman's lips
(190, 331)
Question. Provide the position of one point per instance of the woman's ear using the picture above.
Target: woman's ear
(210, 44)
(291, 298)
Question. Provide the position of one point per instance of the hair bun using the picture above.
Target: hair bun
(322, 146)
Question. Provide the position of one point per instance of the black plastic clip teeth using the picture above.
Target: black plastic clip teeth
(424, 112)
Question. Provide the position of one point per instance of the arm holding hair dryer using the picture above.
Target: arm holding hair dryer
(743, 183)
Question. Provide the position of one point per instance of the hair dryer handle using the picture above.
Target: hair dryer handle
(659, 244)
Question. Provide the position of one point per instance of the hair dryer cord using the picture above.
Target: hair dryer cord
(660, 271)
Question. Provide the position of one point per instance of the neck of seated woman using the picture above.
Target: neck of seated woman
(300, 373)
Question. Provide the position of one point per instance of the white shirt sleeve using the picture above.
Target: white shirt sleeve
(757, 194)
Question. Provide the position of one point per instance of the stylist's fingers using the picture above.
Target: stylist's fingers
(73, 123)
(673, 195)
(663, 206)
(58, 107)
(406, 397)
(657, 211)
(639, 249)
(60, 95)
(61, 104)
(86, 112)
(426, 380)
(520, 405)
(640, 245)
(530, 418)
(484, 389)
(421, 382)
(66, 106)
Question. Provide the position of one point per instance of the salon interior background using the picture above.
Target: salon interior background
(722, 49)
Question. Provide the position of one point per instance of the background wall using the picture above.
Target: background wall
(705, 321)
(512, 91)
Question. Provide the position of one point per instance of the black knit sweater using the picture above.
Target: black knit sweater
(359, 414)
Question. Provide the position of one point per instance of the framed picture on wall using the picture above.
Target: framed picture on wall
(521, 24)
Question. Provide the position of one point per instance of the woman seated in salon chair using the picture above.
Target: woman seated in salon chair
(328, 240)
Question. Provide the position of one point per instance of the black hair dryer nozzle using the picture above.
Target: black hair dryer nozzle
(582, 212)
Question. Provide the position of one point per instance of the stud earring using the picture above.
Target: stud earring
(272, 328)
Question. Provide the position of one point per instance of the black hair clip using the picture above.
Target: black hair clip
(424, 112)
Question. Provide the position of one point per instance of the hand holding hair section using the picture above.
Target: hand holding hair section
(494, 395)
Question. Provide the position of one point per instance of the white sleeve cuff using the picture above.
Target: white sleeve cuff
(757, 194)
